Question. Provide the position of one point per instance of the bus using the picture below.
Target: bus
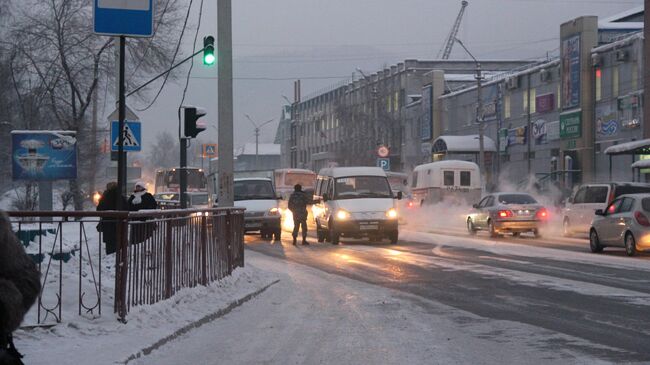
(286, 179)
(168, 180)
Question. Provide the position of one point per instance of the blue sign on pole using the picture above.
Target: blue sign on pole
(44, 155)
(132, 135)
(132, 18)
(384, 163)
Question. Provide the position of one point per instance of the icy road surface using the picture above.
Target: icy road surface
(316, 317)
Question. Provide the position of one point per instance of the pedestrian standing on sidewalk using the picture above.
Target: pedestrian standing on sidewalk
(108, 226)
(141, 199)
(298, 202)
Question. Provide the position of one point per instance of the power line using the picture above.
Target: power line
(189, 72)
(178, 45)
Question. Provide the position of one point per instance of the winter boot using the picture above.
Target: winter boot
(294, 241)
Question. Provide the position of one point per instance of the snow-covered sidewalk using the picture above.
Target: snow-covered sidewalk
(311, 317)
(104, 340)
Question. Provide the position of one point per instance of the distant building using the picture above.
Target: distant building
(267, 158)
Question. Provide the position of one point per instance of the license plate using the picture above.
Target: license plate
(368, 227)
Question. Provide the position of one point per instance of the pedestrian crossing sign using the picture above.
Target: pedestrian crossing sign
(210, 151)
(132, 135)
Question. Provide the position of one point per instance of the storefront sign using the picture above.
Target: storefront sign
(571, 144)
(570, 72)
(503, 140)
(489, 111)
(629, 102)
(607, 126)
(553, 131)
(571, 125)
(545, 103)
(540, 131)
(517, 136)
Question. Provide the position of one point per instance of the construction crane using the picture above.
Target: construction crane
(451, 38)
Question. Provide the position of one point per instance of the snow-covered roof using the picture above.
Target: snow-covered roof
(630, 148)
(641, 164)
(264, 149)
(616, 18)
(296, 171)
(617, 44)
(462, 144)
(337, 172)
(448, 164)
(621, 26)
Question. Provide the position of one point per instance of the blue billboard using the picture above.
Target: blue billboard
(43, 155)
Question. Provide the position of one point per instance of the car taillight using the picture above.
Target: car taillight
(410, 204)
(504, 214)
(542, 214)
(642, 219)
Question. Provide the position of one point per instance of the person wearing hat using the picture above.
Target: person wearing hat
(141, 199)
(108, 226)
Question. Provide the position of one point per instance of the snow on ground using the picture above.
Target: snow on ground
(90, 339)
(312, 317)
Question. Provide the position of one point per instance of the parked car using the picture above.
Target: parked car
(580, 207)
(624, 223)
(514, 213)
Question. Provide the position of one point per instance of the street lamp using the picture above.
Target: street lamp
(257, 137)
(479, 110)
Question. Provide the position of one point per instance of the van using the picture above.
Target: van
(262, 209)
(580, 207)
(354, 202)
(449, 180)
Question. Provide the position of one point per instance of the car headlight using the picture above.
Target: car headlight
(342, 215)
(273, 212)
(391, 213)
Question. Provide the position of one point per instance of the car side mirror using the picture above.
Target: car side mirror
(475, 206)
(279, 197)
(600, 212)
(399, 195)
(326, 197)
(569, 200)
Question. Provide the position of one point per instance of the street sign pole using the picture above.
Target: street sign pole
(225, 138)
(183, 179)
(121, 161)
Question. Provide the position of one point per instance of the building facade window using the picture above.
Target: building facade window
(615, 81)
(506, 106)
(533, 95)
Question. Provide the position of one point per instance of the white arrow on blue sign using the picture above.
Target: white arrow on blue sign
(132, 135)
(130, 18)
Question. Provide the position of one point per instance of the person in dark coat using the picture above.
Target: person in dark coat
(19, 287)
(141, 199)
(108, 226)
(298, 202)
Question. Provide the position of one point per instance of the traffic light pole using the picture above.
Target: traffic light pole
(225, 102)
(183, 179)
(121, 159)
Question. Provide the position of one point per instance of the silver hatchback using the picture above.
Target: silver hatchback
(624, 223)
(500, 213)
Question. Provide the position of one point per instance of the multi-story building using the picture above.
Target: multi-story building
(345, 124)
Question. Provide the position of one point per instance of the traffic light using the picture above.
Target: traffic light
(208, 51)
(191, 116)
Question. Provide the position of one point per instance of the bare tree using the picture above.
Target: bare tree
(164, 152)
(58, 53)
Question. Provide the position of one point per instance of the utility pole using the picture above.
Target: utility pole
(257, 139)
(479, 111)
(121, 159)
(225, 102)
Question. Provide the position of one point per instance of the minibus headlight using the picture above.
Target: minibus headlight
(342, 215)
(391, 213)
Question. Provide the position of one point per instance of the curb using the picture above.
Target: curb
(207, 319)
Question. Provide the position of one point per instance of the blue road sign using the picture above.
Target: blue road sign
(132, 18)
(384, 163)
(132, 135)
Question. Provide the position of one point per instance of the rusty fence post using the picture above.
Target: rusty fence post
(121, 267)
(204, 250)
(168, 259)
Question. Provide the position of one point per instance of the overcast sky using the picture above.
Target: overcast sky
(324, 41)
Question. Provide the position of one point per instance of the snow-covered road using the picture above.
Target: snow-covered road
(313, 317)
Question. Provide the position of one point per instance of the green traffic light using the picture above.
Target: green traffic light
(208, 51)
(208, 59)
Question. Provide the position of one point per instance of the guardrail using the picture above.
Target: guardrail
(158, 252)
